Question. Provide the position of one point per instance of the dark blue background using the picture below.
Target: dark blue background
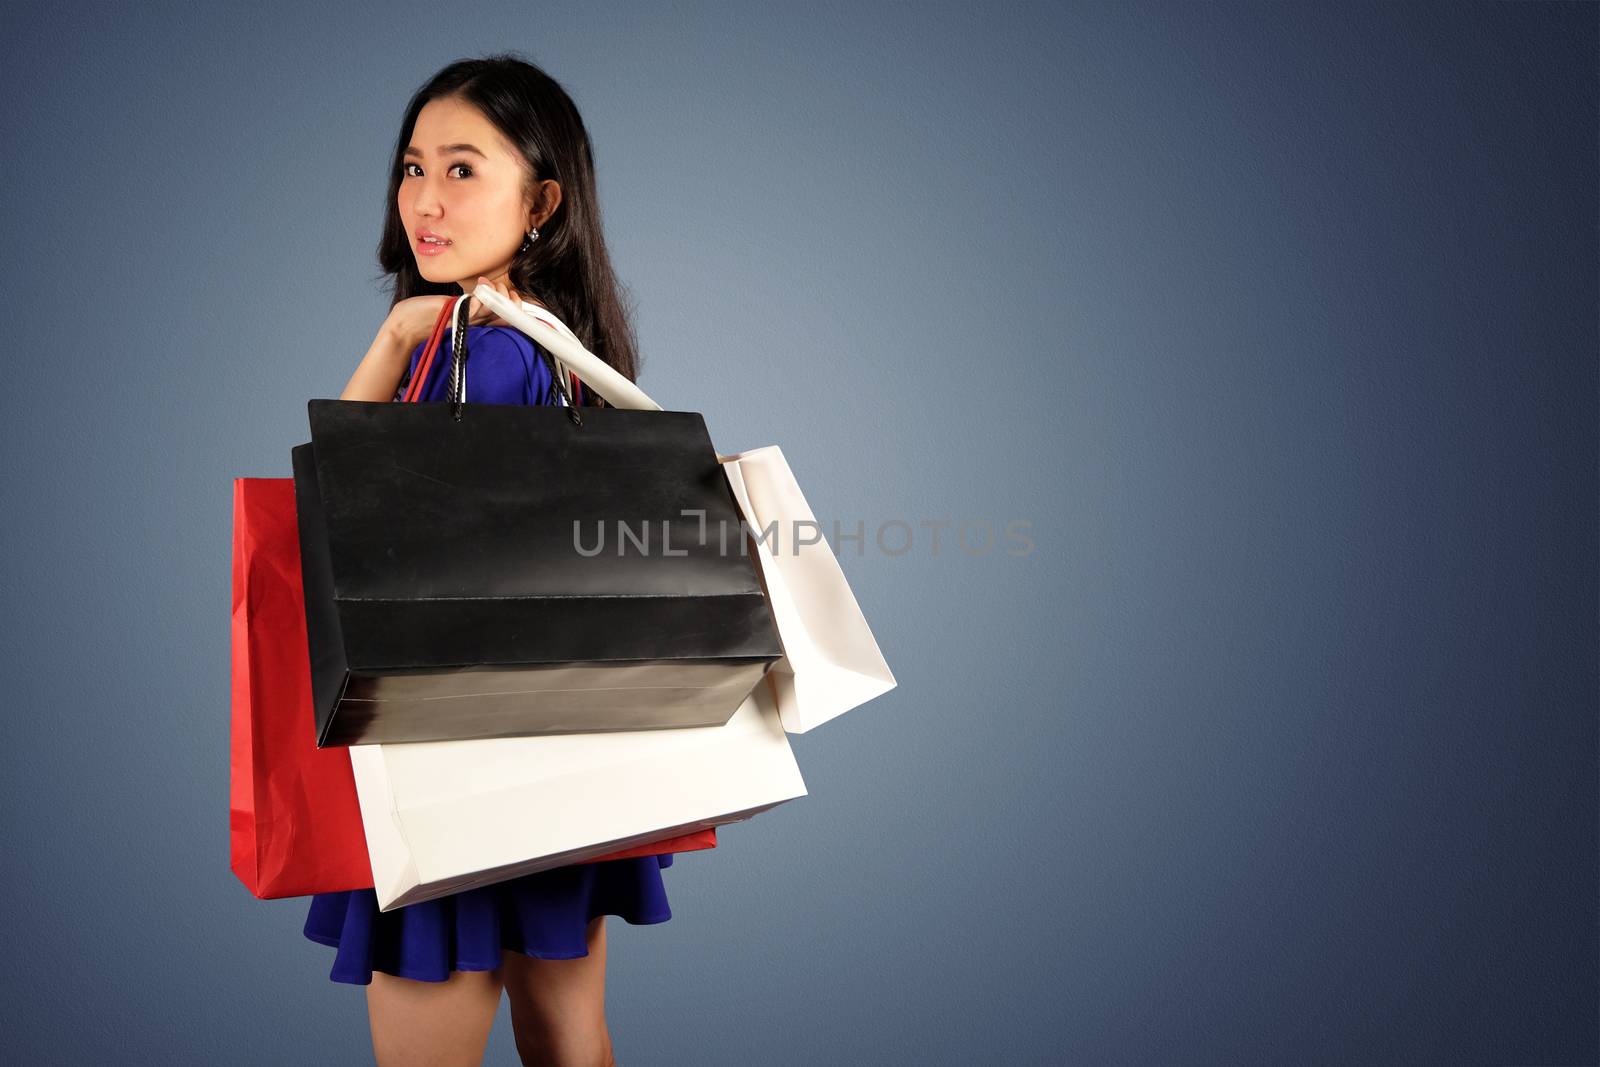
(1277, 322)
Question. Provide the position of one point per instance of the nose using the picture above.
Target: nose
(425, 199)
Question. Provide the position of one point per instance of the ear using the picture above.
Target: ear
(547, 197)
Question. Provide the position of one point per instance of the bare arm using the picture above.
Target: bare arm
(381, 368)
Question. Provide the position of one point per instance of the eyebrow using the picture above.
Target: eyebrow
(411, 151)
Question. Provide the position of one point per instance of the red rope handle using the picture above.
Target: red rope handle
(425, 362)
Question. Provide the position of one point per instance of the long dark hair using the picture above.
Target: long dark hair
(568, 267)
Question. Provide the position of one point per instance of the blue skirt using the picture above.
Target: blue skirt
(545, 915)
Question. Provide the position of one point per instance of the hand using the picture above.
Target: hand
(482, 316)
(410, 321)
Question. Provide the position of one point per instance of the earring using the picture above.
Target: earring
(527, 242)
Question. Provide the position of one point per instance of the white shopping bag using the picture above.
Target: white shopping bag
(831, 661)
(444, 816)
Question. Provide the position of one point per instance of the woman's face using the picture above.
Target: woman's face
(462, 182)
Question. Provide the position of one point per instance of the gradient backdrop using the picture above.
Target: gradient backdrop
(1276, 322)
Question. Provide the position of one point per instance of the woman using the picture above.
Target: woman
(492, 180)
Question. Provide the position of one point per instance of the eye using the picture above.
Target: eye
(405, 168)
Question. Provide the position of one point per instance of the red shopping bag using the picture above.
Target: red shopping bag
(294, 822)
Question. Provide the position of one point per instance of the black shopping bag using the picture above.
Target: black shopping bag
(494, 570)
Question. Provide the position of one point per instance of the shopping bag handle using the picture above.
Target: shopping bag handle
(456, 377)
(561, 342)
(456, 389)
(425, 361)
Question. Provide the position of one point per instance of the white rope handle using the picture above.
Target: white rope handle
(562, 343)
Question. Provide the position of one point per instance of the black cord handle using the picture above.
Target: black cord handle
(455, 391)
(557, 382)
(456, 394)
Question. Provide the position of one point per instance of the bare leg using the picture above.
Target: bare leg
(432, 1024)
(558, 1007)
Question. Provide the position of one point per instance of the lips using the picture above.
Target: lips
(431, 244)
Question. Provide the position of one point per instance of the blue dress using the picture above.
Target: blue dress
(545, 914)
